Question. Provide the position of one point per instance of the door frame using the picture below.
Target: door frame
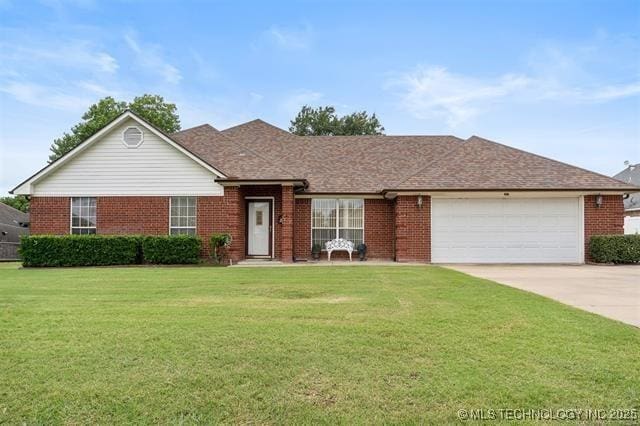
(271, 201)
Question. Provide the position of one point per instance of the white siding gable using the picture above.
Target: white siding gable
(109, 167)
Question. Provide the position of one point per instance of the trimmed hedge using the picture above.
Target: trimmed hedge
(79, 250)
(171, 250)
(615, 248)
(103, 250)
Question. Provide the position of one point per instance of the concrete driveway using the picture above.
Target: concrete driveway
(610, 291)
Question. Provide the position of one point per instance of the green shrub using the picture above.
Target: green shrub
(171, 250)
(615, 248)
(79, 250)
(219, 245)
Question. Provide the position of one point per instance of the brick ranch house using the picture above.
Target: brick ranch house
(437, 199)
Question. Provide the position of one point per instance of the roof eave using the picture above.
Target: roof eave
(236, 182)
(510, 189)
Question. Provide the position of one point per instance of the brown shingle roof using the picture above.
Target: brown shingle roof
(234, 159)
(482, 164)
(367, 163)
(370, 164)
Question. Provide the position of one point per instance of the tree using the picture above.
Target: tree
(152, 108)
(323, 121)
(19, 202)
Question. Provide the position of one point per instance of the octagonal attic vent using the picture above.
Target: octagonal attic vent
(132, 137)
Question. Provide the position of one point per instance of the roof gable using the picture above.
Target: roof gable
(236, 157)
(26, 187)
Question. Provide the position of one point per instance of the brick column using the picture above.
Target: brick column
(413, 229)
(234, 221)
(302, 228)
(286, 236)
(604, 220)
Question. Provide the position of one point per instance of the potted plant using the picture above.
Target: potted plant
(362, 251)
(315, 251)
(219, 245)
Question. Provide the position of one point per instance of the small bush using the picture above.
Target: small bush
(170, 250)
(615, 248)
(79, 250)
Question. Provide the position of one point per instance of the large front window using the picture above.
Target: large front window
(331, 218)
(83, 215)
(183, 215)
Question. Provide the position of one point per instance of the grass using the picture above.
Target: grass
(296, 345)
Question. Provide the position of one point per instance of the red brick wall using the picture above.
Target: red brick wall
(50, 215)
(604, 220)
(413, 229)
(233, 221)
(378, 229)
(144, 216)
(132, 215)
(383, 219)
(286, 227)
(212, 219)
(302, 229)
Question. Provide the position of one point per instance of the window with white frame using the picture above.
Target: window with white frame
(83, 215)
(182, 218)
(331, 218)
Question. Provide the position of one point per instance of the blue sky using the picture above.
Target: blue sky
(561, 79)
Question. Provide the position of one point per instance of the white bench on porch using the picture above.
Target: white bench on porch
(339, 244)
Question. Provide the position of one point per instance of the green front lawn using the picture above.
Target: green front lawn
(296, 345)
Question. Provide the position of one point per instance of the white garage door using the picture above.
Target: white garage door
(544, 230)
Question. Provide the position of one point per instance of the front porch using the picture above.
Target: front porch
(261, 218)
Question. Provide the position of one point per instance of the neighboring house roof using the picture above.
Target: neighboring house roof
(13, 223)
(631, 176)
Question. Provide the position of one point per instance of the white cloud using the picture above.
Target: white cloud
(91, 87)
(576, 75)
(595, 71)
(608, 93)
(71, 54)
(292, 103)
(62, 73)
(150, 58)
(429, 92)
(290, 39)
(255, 98)
(60, 4)
(45, 96)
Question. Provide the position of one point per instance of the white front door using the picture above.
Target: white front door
(259, 228)
(493, 230)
